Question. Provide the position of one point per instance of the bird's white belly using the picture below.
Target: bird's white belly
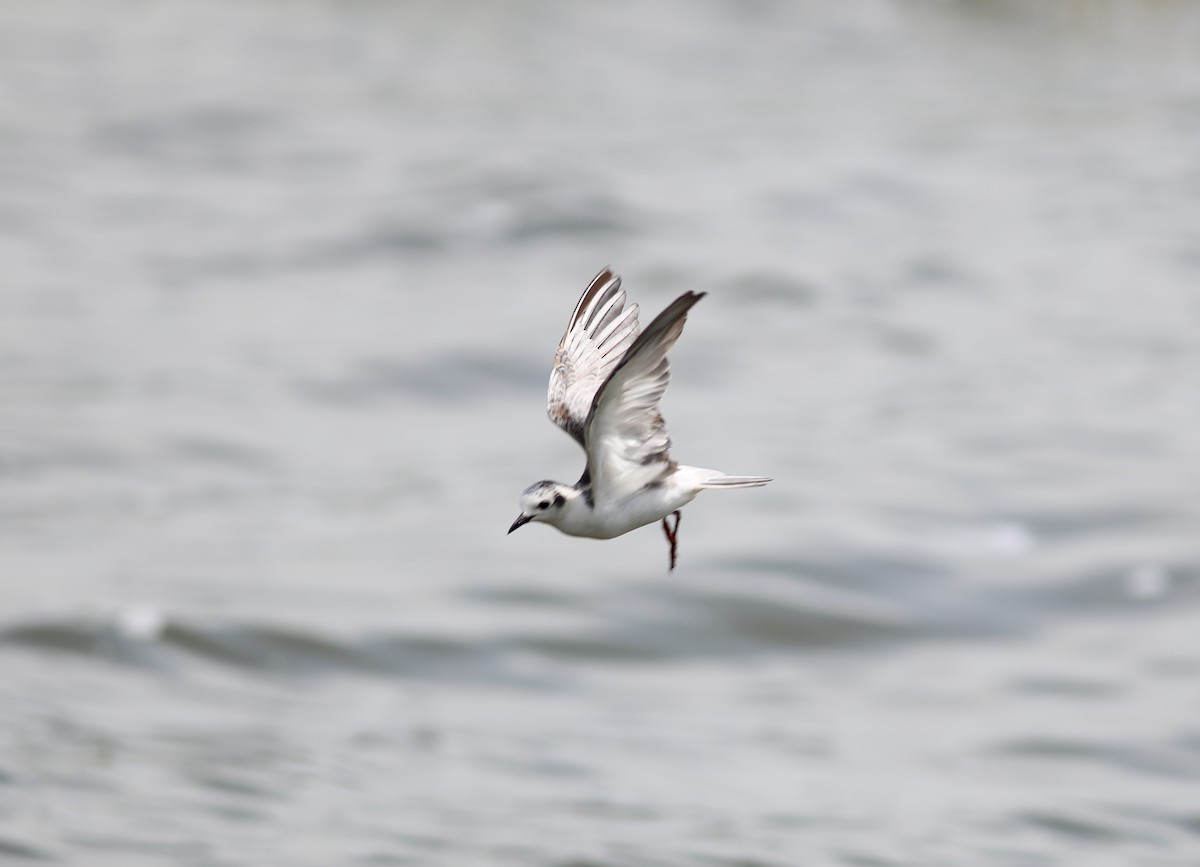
(646, 506)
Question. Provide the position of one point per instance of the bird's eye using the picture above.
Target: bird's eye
(542, 506)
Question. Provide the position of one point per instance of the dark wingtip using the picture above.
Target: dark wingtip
(681, 305)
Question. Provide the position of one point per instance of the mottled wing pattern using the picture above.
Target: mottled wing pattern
(599, 333)
(626, 437)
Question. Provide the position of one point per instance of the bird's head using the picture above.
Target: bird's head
(543, 501)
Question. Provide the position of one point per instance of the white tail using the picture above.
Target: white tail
(723, 481)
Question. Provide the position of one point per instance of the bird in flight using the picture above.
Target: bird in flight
(604, 391)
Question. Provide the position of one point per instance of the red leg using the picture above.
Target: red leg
(672, 535)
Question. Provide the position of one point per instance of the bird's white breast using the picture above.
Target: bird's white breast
(608, 518)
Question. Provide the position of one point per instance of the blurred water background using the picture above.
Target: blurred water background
(281, 284)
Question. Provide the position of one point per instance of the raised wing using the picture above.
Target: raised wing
(625, 436)
(600, 332)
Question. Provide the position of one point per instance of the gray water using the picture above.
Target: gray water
(281, 283)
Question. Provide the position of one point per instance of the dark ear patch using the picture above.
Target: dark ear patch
(559, 499)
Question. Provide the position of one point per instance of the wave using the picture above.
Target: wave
(510, 630)
(664, 629)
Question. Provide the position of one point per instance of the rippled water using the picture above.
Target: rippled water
(281, 286)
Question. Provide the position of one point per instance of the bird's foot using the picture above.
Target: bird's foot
(672, 534)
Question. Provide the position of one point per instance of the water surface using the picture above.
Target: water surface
(281, 287)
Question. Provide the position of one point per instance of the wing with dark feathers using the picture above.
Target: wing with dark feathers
(625, 436)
